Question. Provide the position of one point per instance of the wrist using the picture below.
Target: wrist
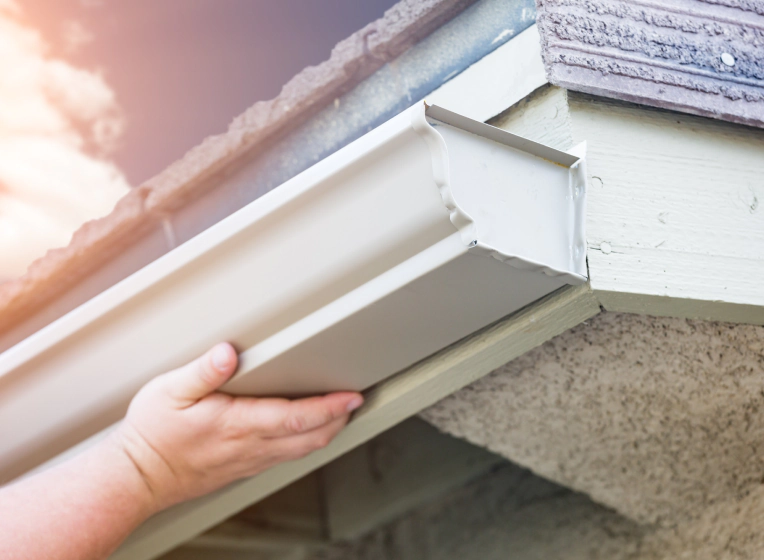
(130, 458)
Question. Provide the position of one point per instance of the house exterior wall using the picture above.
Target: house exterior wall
(657, 418)
(660, 419)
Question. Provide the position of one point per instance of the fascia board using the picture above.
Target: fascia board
(350, 272)
(497, 81)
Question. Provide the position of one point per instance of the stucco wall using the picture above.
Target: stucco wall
(660, 419)
(507, 514)
(512, 514)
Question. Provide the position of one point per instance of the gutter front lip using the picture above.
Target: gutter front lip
(204, 243)
(63, 347)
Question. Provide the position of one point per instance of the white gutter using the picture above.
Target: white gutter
(423, 231)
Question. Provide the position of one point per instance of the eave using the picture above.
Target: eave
(715, 278)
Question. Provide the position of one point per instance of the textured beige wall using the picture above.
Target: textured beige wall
(660, 419)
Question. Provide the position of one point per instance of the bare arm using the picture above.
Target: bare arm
(179, 440)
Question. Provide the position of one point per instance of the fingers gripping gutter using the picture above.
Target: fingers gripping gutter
(186, 439)
(271, 418)
(277, 418)
(305, 415)
(296, 446)
(203, 376)
(303, 426)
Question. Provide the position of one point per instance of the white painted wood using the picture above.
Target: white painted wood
(387, 404)
(497, 81)
(398, 471)
(395, 472)
(229, 551)
(675, 224)
(293, 515)
(675, 221)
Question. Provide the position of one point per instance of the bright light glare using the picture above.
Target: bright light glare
(57, 126)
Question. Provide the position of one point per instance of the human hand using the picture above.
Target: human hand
(187, 440)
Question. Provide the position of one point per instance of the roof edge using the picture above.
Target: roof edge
(351, 61)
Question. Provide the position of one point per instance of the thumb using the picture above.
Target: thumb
(196, 380)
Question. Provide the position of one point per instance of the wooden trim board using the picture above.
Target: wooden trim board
(674, 221)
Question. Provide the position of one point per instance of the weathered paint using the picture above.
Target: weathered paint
(673, 222)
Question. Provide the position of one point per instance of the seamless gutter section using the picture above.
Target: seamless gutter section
(370, 77)
(403, 242)
(351, 61)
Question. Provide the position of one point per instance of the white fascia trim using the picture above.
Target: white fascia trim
(497, 81)
(423, 231)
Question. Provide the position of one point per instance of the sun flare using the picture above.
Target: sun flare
(58, 124)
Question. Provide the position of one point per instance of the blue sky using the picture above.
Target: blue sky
(100, 95)
(182, 69)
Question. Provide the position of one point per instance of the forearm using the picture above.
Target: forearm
(180, 439)
(80, 510)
